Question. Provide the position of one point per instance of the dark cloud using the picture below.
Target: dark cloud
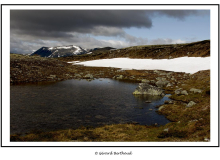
(31, 29)
(85, 21)
(82, 21)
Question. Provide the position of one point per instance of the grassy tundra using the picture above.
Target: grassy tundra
(189, 113)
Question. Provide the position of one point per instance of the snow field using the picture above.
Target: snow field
(182, 64)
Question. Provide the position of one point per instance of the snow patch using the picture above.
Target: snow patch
(182, 64)
(64, 47)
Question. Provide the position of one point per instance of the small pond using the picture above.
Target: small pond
(76, 103)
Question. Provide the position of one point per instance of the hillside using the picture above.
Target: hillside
(195, 49)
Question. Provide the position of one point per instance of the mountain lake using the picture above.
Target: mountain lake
(72, 104)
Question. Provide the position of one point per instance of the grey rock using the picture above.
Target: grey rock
(171, 102)
(145, 88)
(180, 91)
(145, 81)
(52, 76)
(162, 83)
(194, 90)
(90, 76)
(120, 70)
(120, 77)
(184, 92)
(168, 76)
(185, 75)
(166, 130)
(190, 104)
(160, 108)
(169, 85)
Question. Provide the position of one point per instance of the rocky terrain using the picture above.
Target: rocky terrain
(188, 109)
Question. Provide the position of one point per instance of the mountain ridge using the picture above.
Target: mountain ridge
(65, 51)
(59, 51)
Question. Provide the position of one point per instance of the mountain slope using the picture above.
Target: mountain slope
(60, 51)
(168, 51)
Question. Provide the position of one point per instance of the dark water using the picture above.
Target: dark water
(74, 103)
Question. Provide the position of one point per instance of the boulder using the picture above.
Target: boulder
(160, 108)
(169, 85)
(166, 130)
(184, 92)
(162, 83)
(190, 104)
(180, 91)
(145, 81)
(145, 88)
(170, 57)
(194, 90)
(90, 76)
(119, 77)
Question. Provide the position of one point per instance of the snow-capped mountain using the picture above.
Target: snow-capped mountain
(60, 51)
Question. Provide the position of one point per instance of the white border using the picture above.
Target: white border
(6, 75)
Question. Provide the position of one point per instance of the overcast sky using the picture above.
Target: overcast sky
(33, 29)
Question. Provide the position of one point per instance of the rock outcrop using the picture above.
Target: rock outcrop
(180, 91)
(194, 90)
(162, 82)
(145, 88)
(190, 104)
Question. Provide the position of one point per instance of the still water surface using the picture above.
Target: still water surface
(76, 103)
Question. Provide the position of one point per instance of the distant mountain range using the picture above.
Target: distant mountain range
(65, 51)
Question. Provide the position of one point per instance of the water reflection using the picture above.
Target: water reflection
(74, 103)
(148, 98)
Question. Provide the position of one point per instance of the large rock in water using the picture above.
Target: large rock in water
(145, 88)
